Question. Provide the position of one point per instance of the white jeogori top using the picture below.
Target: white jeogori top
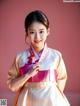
(45, 88)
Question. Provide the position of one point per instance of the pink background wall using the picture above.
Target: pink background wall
(65, 36)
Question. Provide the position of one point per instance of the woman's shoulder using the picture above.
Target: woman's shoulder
(22, 57)
(55, 52)
(22, 53)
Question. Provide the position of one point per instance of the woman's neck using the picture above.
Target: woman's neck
(38, 49)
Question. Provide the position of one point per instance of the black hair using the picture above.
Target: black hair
(36, 16)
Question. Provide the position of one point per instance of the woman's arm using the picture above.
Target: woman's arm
(61, 74)
(15, 82)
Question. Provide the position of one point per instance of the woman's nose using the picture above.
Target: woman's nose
(37, 36)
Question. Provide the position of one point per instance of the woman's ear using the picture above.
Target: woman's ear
(26, 35)
(48, 31)
(27, 39)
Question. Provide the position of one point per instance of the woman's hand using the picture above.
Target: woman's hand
(34, 70)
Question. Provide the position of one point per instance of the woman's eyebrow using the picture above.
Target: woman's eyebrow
(30, 29)
(41, 29)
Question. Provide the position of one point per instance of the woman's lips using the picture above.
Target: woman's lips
(37, 41)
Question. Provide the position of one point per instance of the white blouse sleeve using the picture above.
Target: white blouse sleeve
(61, 74)
(13, 71)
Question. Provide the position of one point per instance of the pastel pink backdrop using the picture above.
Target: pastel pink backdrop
(64, 35)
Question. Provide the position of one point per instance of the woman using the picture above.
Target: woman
(38, 74)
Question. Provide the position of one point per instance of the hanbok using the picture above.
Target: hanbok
(41, 89)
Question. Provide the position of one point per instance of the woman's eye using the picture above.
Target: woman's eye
(32, 32)
(41, 32)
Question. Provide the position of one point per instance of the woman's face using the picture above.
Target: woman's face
(37, 34)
